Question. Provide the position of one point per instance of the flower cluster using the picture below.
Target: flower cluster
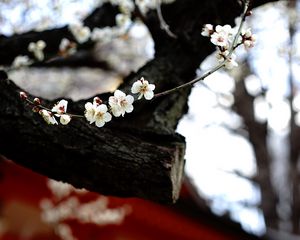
(248, 38)
(118, 104)
(83, 33)
(80, 32)
(96, 112)
(37, 48)
(59, 110)
(66, 47)
(21, 61)
(223, 37)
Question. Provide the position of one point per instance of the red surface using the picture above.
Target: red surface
(147, 220)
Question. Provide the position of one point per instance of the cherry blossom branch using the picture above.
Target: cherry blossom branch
(163, 24)
(219, 66)
(120, 103)
(35, 103)
(236, 38)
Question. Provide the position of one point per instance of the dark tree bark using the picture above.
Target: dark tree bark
(139, 155)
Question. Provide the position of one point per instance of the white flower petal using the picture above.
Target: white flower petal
(136, 87)
(116, 112)
(88, 106)
(107, 117)
(101, 108)
(149, 95)
(100, 123)
(112, 101)
(128, 108)
(119, 94)
(151, 87)
(129, 99)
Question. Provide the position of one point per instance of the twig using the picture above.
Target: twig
(163, 24)
(219, 66)
(48, 109)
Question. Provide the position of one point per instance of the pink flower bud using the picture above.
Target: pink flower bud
(97, 101)
(23, 95)
(37, 101)
(249, 13)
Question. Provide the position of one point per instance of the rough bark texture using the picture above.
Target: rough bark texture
(136, 156)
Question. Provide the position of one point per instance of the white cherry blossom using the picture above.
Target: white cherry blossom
(143, 87)
(67, 47)
(90, 110)
(101, 115)
(248, 38)
(37, 48)
(207, 30)
(65, 119)
(80, 32)
(123, 20)
(48, 117)
(120, 103)
(21, 61)
(60, 107)
(222, 36)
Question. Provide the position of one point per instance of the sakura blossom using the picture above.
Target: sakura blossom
(120, 103)
(23, 95)
(143, 87)
(248, 39)
(125, 6)
(103, 35)
(37, 49)
(207, 30)
(80, 32)
(48, 117)
(64, 119)
(90, 110)
(101, 115)
(123, 20)
(222, 36)
(60, 107)
(66, 47)
(21, 61)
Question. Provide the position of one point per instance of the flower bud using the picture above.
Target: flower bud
(23, 95)
(65, 119)
(37, 101)
(97, 101)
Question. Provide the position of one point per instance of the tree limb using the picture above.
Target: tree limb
(139, 155)
(15, 45)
